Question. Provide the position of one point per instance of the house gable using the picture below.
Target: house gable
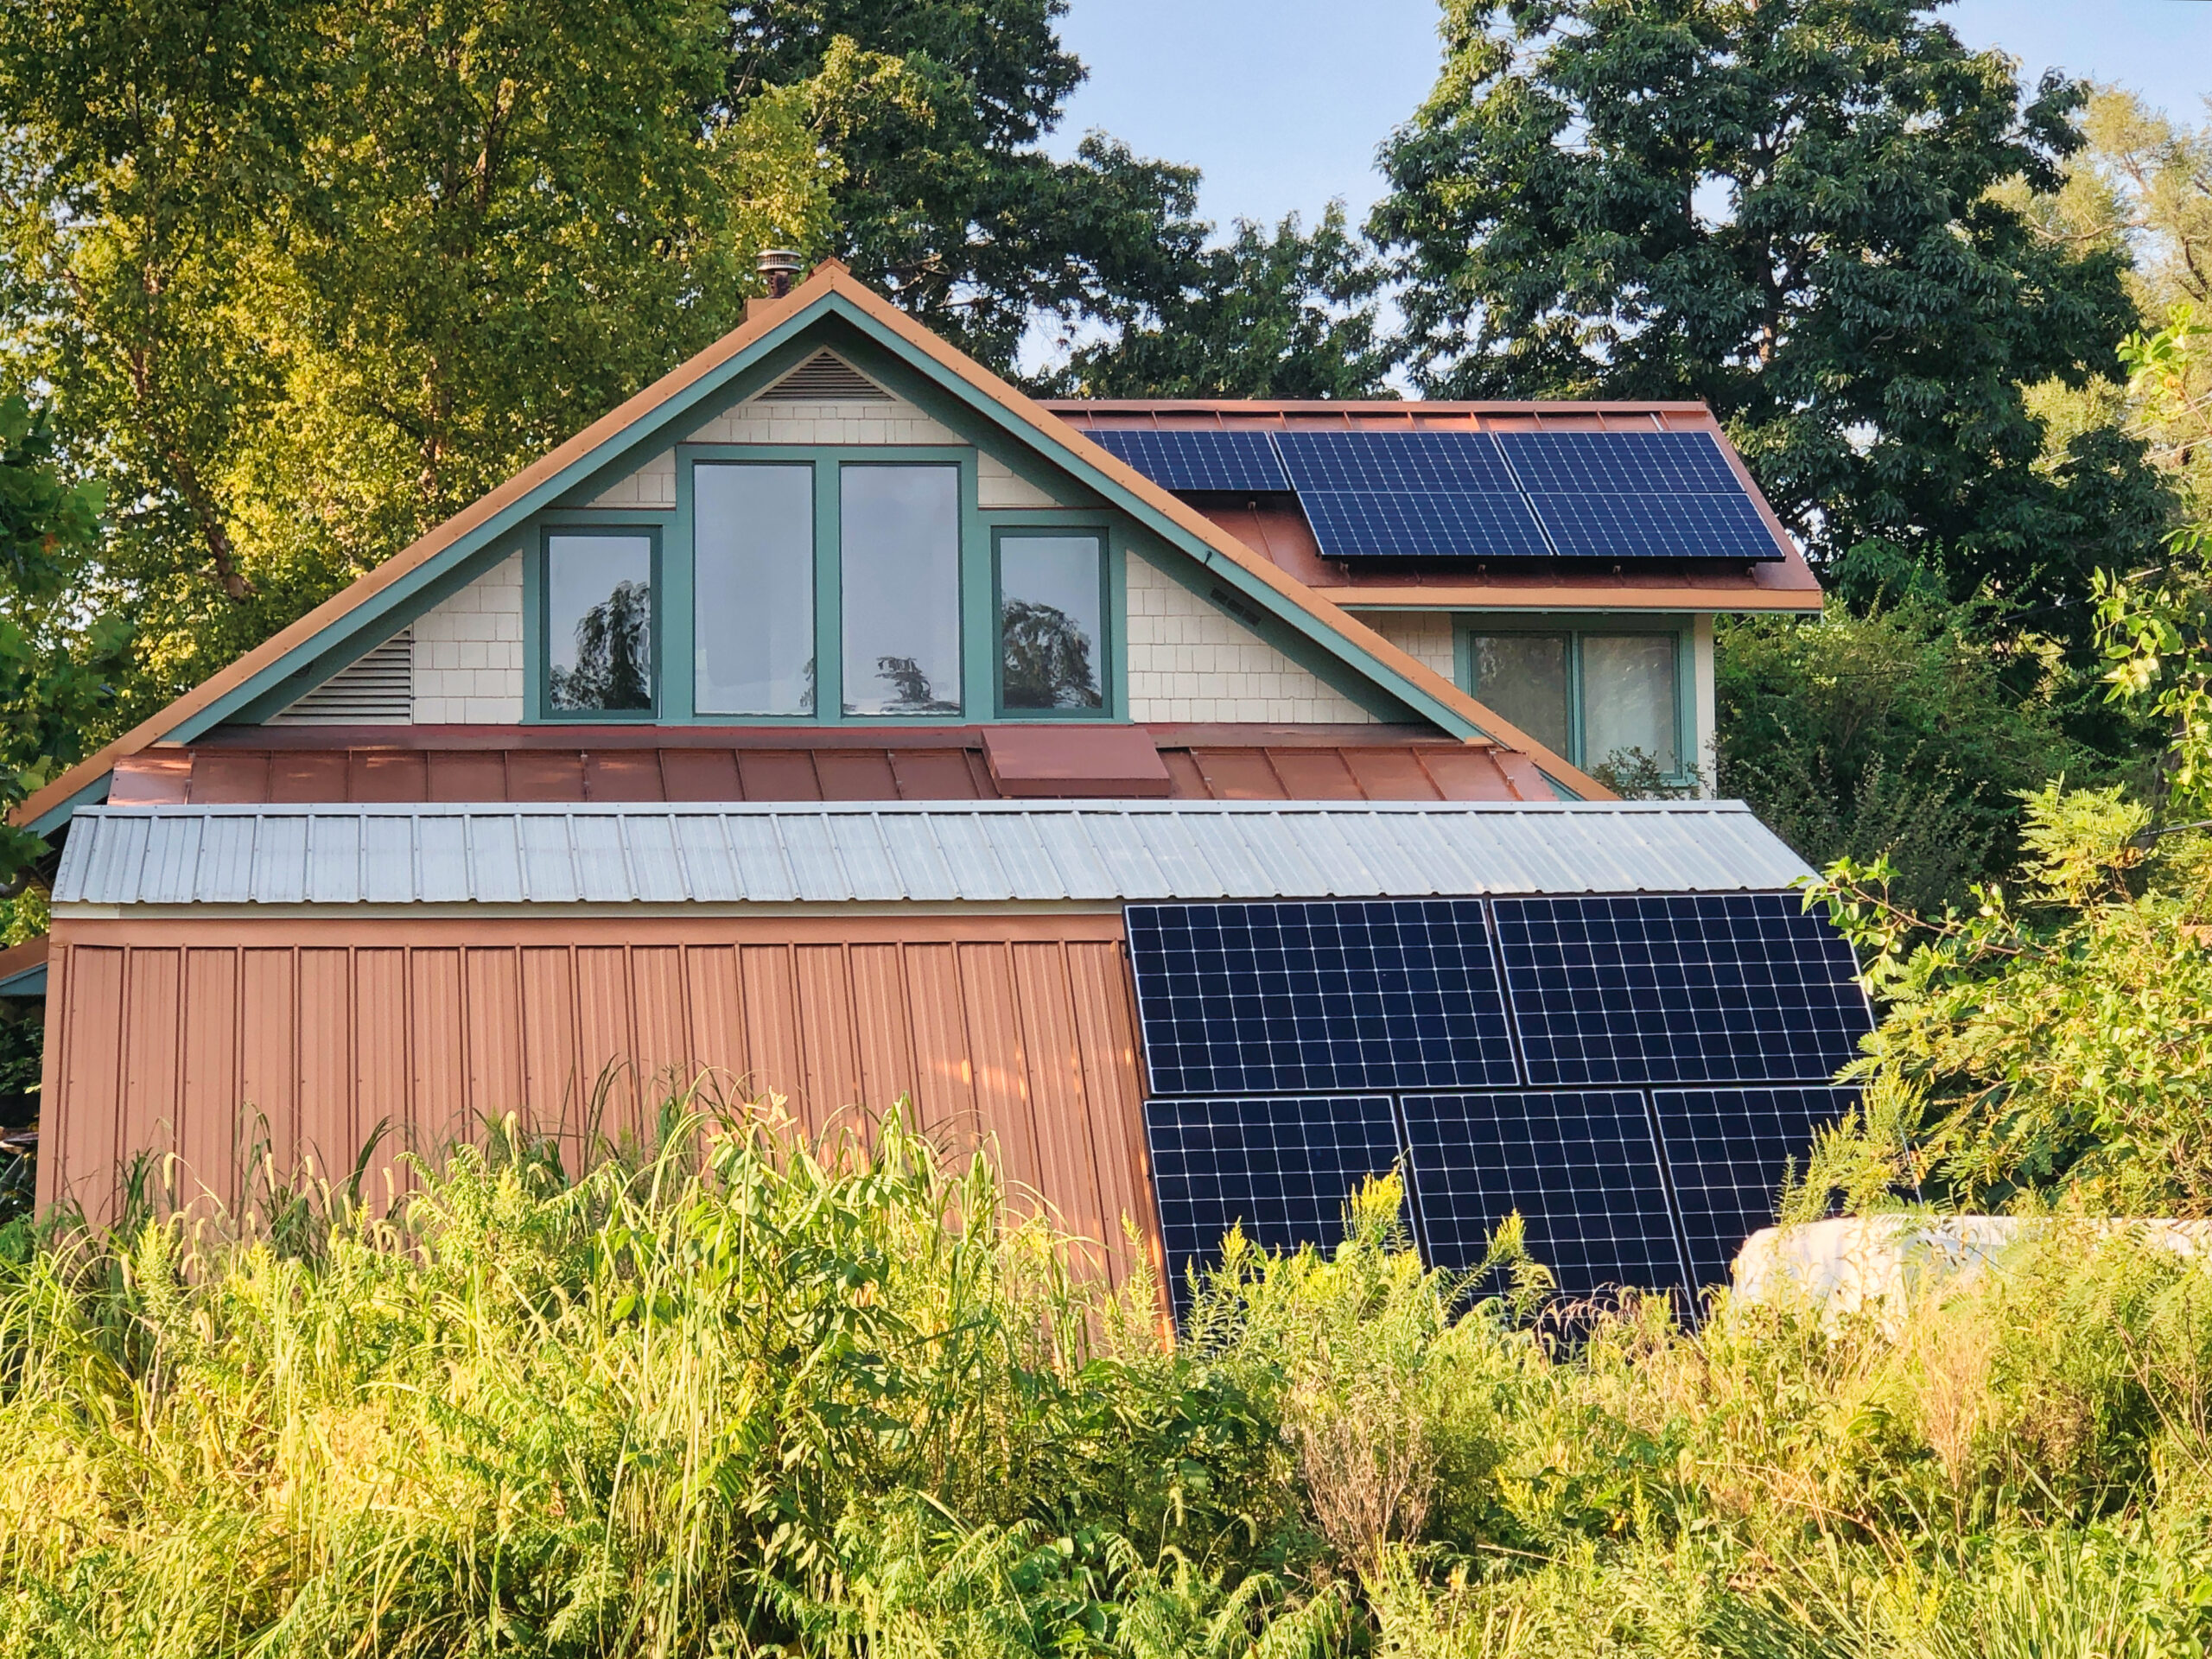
(1329, 660)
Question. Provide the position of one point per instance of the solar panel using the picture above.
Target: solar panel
(1580, 1168)
(1283, 1169)
(1281, 998)
(1727, 1150)
(1681, 987)
(1641, 463)
(1409, 495)
(1637, 495)
(1623, 526)
(1194, 460)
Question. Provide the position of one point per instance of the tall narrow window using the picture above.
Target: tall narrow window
(1628, 699)
(900, 583)
(753, 589)
(599, 623)
(1051, 594)
(1525, 676)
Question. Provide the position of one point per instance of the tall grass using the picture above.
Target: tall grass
(738, 1394)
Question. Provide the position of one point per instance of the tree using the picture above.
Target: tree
(934, 109)
(1287, 314)
(1047, 658)
(1790, 209)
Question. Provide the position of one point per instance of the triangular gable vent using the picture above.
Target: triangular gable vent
(825, 379)
(378, 689)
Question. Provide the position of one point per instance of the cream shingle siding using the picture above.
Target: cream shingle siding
(652, 486)
(998, 485)
(468, 662)
(1189, 660)
(1425, 636)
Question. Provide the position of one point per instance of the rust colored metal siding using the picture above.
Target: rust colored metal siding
(215, 1045)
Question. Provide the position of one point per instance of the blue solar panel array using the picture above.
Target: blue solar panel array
(1199, 460)
(1525, 1055)
(1426, 494)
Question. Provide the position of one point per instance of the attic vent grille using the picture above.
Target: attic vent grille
(378, 689)
(823, 379)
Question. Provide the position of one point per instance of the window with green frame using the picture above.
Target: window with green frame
(1051, 600)
(1596, 695)
(598, 604)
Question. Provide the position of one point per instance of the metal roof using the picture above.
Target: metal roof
(979, 852)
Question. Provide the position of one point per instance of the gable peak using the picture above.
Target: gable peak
(825, 377)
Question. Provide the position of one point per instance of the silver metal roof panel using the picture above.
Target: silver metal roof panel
(988, 852)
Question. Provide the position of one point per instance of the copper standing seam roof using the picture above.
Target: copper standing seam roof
(831, 280)
(260, 765)
(1274, 528)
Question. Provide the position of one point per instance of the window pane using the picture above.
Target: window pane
(1050, 607)
(1523, 677)
(754, 588)
(599, 617)
(900, 582)
(1628, 699)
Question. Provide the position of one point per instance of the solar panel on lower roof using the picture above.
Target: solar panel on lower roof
(1196, 459)
(1641, 463)
(1623, 526)
(1679, 988)
(1282, 1169)
(1405, 462)
(1267, 998)
(1727, 1151)
(1579, 1167)
(1376, 523)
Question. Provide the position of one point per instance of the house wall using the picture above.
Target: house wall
(201, 1038)
(1190, 660)
(468, 653)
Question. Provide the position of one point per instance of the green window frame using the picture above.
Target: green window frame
(1106, 646)
(1576, 630)
(538, 625)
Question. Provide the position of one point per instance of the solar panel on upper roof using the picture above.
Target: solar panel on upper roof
(1727, 1151)
(1579, 1168)
(1196, 459)
(1682, 988)
(1409, 495)
(1259, 999)
(1638, 495)
(1282, 1169)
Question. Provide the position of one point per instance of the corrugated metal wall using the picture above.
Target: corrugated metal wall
(181, 1036)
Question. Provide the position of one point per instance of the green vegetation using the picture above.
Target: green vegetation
(742, 1397)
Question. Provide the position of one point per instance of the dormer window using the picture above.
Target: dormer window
(898, 581)
(752, 588)
(599, 626)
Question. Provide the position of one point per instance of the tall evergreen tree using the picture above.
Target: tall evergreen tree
(1792, 210)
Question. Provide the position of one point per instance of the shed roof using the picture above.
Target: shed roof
(980, 852)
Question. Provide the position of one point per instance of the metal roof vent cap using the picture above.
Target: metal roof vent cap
(779, 265)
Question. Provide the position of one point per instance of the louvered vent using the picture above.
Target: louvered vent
(823, 379)
(378, 689)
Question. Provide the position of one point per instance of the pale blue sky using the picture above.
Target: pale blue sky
(1283, 102)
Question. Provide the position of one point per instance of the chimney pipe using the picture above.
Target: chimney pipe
(778, 265)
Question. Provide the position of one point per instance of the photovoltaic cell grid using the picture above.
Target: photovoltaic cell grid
(1727, 1150)
(1282, 1169)
(1409, 495)
(1632, 495)
(1580, 1168)
(1270, 998)
(1196, 460)
(1676, 988)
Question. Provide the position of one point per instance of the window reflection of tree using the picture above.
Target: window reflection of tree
(912, 692)
(613, 667)
(1047, 658)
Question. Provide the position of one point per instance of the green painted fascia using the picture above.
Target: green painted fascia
(54, 816)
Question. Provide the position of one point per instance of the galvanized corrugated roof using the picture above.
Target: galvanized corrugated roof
(982, 852)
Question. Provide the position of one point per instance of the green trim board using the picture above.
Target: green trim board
(1576, 626)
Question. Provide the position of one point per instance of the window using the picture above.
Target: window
(899, 587)
(1597, 698)
(752, 588)
(599, 623)
(1051, 633)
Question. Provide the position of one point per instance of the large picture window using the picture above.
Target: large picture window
(752, 588)
(1601, 698)
(899, 588)
(599, 623)
(1051, 623)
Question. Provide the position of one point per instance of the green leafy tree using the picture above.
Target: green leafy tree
(1791, 210)
(1286, 314)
